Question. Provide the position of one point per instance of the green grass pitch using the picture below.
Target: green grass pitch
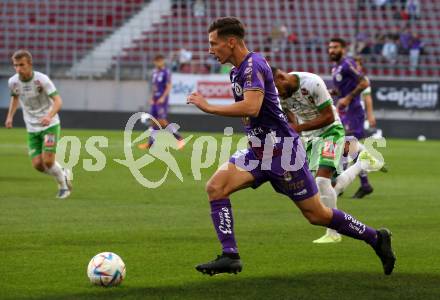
(161, 234)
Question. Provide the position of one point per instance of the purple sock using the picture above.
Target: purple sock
(152, 137)
(349, 226)
(221, 214)
(173, 128)
(363, 176)
(150, 140)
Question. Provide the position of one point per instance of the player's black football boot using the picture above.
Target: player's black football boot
(222, 264)
(362, 192)
(385, 251)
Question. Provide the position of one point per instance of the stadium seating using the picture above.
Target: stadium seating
(60, 31)
(63, 31)
(313, 21)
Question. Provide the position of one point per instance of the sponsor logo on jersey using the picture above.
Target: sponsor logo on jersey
(338, 77)
(304, 92)
(39, 86)
(237, 89)
(301, 193)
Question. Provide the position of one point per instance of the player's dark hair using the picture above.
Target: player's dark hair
(159, 57)
(228, 26)
(274, 70)
(340, 41)
(19, 54)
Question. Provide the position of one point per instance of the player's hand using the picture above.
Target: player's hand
(8, 123)
(45, 121)
(343, 102)
(371, 120)
(160, 100)
(333, 92)
(151, 102)
(198, 100)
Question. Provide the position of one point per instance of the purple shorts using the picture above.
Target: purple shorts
(297, 185)
(159, 111)
(354, 125)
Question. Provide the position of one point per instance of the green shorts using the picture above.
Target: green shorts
(43, 141)
(327, 149)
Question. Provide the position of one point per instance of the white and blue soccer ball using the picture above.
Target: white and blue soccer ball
(106, 269)
(145, 118)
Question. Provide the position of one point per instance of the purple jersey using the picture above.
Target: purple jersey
(254, 74)
(160, 78)
(345, 78)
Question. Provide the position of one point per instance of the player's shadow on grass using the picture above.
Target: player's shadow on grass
(335, 286)
(22, 178)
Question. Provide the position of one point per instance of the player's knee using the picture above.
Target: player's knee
(38, 165)
(315, 217)
(312, 218)
(48, 162)
(214, 190)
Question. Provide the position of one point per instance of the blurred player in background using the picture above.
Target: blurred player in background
(256, 101)
(349, 83)
(310, 111)
(161, 88)
(41, 103)
(367, 101)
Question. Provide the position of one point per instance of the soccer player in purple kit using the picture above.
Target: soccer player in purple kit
(256, 101)
(161, 88)
(349, 83)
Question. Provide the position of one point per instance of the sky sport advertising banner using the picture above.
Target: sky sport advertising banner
(215, 87)
(411, 95)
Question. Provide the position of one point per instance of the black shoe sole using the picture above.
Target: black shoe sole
(361, 194)
(211, 272)
(389, 258)
(234, 267)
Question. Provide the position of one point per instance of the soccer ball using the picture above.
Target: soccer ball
(106, 269)
(144, 118)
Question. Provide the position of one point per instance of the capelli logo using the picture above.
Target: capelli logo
(425, 96)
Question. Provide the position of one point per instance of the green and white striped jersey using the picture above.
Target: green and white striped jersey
(35, 99)
(309, 100)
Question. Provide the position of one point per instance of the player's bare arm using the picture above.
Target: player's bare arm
(326, 117)
(293, 122)
(57, 103)
(249, 107)
(13, 105)
(369, 109)
(165, 93)
(362, 85)
(334, 92)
